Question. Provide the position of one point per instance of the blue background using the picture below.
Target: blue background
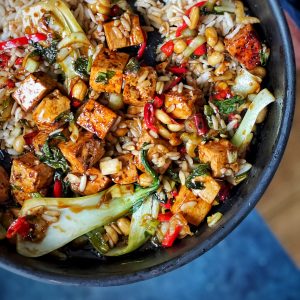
(248, 264)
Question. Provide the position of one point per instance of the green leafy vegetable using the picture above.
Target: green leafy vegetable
(133, 66)
(79, 216)
(82, 66)
(173, 175)
(52, 156)
(202, 169)
(228, 106)
(104, 78)
(47, 53)
(98, 242)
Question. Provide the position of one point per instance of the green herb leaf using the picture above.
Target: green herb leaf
(52, 156)
(133, 66)
(47, 53)
(104, 78)
(202, 169)
(228, 106)
(82, 66)
(173, 175)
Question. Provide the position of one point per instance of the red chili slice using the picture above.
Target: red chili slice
(149, 116)
(165, 217)
(168, 48)
(19, 226)
(143, 47)
(200, 124)
(158, 101)
(171, 237)
(57, 188)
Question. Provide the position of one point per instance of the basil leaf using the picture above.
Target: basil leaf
(202, 169)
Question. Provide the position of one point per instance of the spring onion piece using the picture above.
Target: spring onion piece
(78, 216)
(195, 43)
(214, 219)
(31, 65)
(75, 38)
(263, 99)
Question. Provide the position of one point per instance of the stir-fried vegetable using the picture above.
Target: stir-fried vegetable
(230, 105)
(63, 22)
(263, 99)
(78, 216)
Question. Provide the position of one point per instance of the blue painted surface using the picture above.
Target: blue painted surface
(249, 264)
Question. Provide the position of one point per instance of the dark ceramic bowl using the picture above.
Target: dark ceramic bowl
(266, 154)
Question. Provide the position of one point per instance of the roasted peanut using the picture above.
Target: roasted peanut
(215, 58)
(179, 46)
(211, 36)
(194, 17)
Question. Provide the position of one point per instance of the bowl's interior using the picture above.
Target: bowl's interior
(266, 154)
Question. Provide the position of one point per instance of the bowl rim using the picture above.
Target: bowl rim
(266, 176)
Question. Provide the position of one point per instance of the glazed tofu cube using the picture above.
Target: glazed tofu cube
(129, 173)
(29, 175)
(115, 36)
(96, 182)
(84, 153)
(211, 188)
(193, 208)
(107, 71)
(96, 118)
(47, 112)
(4, 185)
(183, 103)
(33, 89)
(245, 47)
(140, 88)
(217, 153)
(39, 140)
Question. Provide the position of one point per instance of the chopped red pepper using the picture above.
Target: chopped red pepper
(19, 226)
(158, 101)
(199, 4)
(182, 150)
(3, 60)
(166, 205)
(178, 70)
(172, 83)
(57, 188)
(174, 193)
(165, 217)
(142, 47)
(149, 116)
(168, 48)
(10, 83)
(180, 29)
(200, 124)
(201, 50)
(171, 237)
(22, 41)
(75, 103)
(222, 94)
(224, 192)
(29, 137)
(19, 61)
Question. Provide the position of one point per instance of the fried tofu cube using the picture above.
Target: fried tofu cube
(29, 175)
(107, 71)
(129, 173)
(193, 208)
(133, 37)
(4, 185)
(216, 153)
(84, 153)
(211, 188)
(96, 182)
(47, 112)
(245, 47)
(184, 103)
(33, 89)
(140, 88)
(96, 118)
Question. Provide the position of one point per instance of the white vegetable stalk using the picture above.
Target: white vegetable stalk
(263, 99)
